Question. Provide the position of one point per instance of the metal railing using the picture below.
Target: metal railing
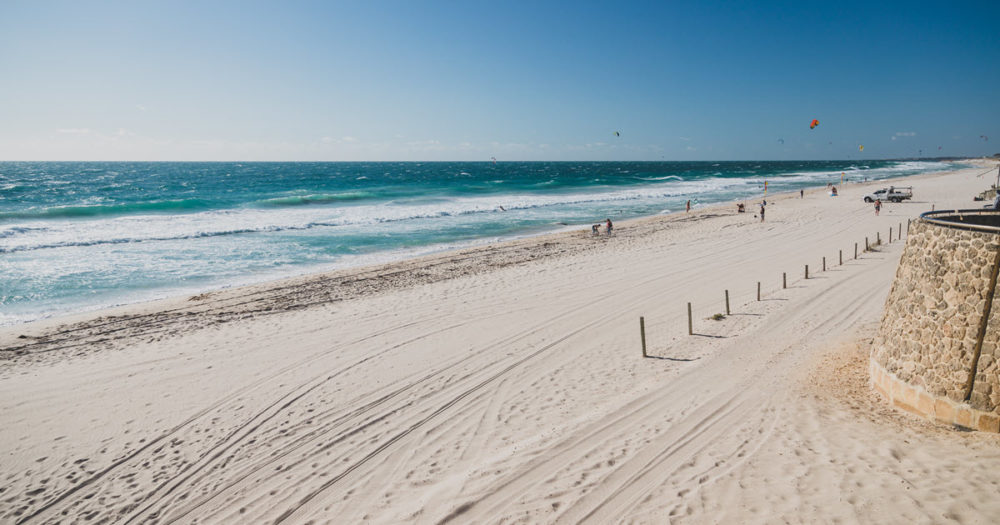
(974, 219)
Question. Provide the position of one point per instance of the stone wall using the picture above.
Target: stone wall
(923, 353)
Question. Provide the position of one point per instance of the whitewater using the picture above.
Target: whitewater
(81, 236)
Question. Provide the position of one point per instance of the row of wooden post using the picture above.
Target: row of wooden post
(784, 284)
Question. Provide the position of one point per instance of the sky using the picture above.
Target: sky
(470, 80)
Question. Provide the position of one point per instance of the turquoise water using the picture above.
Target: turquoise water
(77, 236)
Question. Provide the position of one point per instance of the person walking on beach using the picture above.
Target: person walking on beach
(762, 206)
(802, 194)
(610, 226)
(878, 206)
(689, 207)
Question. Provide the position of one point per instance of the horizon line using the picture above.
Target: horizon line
(515, 160)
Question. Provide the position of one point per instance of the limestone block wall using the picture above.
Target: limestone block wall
(986, 389)
(923, 353)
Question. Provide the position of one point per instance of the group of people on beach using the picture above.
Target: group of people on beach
(741, 208)
(595, 230)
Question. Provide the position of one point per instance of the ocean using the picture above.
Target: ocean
(76, 236)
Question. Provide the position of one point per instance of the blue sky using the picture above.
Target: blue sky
(515, 80)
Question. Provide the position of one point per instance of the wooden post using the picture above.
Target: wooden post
(784, 280)
(758, 290)
(840, 254)
(807, 271)
(878, 239)
(824, 264)
(727, 302)
(866, 244)
(890, 235)
(855, 250)
(690, 325)
(900, 234)
(932, 207)
(642, 334)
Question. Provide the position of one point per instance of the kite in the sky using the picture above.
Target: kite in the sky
(861, 147)
(984, 137)
(618, 134)
(939, 148)
(781, 141)
(813, 124)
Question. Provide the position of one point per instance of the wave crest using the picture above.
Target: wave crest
(319, 198)
(97, 210)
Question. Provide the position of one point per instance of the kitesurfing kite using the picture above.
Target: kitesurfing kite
(781, 141)
(618, 134)
(861, 147)
(494, 159)
(813, 124)
(984, 137)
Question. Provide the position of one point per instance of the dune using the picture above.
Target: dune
(506, 383)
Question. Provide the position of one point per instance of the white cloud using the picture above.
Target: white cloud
(686, 139)
(906, 133)
(73, 131)
(140, 107)
(342, 140)
(690, 148)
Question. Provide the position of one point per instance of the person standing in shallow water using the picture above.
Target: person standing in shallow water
(689, 206)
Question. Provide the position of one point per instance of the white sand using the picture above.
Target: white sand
(505, 384)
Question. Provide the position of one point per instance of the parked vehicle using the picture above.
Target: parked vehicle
(891, 194)
(995, 205)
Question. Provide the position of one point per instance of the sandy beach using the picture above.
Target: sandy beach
(506, 384)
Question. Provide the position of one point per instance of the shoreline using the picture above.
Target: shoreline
(214, 305)
(41, 311)
(507, 383)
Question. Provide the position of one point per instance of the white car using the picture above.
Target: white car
(891, 194)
